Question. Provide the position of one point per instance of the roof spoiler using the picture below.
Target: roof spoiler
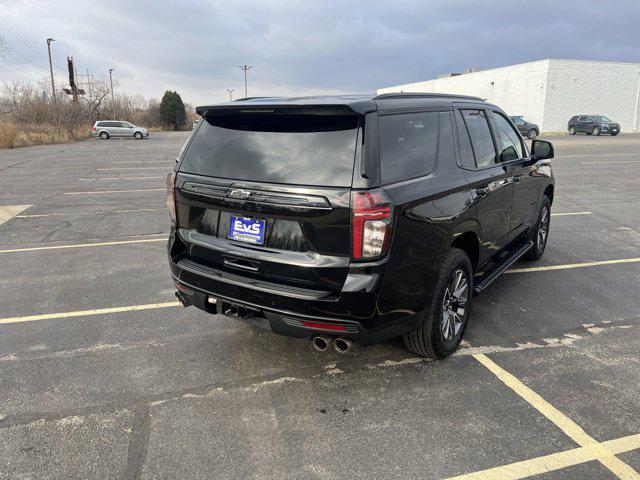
(278, 109)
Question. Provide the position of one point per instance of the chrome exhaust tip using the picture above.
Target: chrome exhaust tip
(342, 344)
(182, 300)
(322, 342)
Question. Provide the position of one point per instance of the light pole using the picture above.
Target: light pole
(230, 94)
(113, 105)
(245, 69)
(53, 86)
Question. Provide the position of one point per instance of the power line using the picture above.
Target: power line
(24, 43)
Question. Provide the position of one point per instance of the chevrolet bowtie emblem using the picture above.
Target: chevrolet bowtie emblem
(239, 193)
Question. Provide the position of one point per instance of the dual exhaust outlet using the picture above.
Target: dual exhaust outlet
(322, 343)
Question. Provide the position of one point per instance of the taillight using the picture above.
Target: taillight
(171, 195)
(370, 224)
(94, 129)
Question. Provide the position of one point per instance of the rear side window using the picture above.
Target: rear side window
(101, 124)
(408, 145)
(466, 152)
(293, 149)
(510, 147)
(480, 135)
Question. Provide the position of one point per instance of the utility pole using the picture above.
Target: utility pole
(245, 69)
(53, 86)
(230, 94)
(113, 105)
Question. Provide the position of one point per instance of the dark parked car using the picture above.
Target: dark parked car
(593, 125)
(355, 218)
(529, 130)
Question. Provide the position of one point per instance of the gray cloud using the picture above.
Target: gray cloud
(305, 47)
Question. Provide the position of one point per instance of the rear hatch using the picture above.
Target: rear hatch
(264, 199)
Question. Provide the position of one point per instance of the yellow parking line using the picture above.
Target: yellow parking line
(83, 313)
(133, 168)
(550, 463)
(83, 245)
(116, 178)
(597, 450)
(599, 155)
(569, 213)
(573, 265)
(117, 191)
(617, 161)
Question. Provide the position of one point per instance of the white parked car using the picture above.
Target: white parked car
(115, 128)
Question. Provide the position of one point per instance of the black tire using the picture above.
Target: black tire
(138, 135)
(572, 130)
(540, 233)
(596, 131)
(531, 134)
(104, 135)
(614, 134)
(429, 339)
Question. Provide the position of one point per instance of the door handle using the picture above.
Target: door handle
(516, 179)
(481, 192)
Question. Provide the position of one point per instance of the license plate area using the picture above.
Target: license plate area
(247, 230)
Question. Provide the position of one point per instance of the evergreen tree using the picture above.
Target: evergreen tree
(172, 111)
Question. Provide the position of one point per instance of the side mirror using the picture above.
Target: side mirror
(541, 150)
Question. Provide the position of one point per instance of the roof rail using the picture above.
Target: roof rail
(252, 98)
(383, 96)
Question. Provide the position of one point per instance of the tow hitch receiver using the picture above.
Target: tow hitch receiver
(236, 311)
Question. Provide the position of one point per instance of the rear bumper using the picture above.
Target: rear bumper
(292, 323)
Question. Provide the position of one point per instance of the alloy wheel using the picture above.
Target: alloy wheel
(454, 305)
(543, 228)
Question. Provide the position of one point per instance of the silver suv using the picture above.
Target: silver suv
(112, 128)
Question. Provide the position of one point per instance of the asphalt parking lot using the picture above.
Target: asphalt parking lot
(103, 376)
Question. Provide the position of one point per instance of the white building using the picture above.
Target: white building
(549, 92)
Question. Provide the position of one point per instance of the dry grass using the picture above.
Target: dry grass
(14, 135)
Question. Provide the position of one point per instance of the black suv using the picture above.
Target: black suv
(355, 218)
(593, 125)
(527, 129)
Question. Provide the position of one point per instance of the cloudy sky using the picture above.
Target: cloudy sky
(303, 47)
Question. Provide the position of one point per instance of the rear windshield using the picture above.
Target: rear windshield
(294, 149)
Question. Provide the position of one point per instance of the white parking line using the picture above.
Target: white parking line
(116, 191)
(573, 265)
(83, 313)
(86, 245)
(569, 213)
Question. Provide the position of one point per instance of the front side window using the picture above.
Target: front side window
(509, 145)
(408, 145)
(480, 135)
